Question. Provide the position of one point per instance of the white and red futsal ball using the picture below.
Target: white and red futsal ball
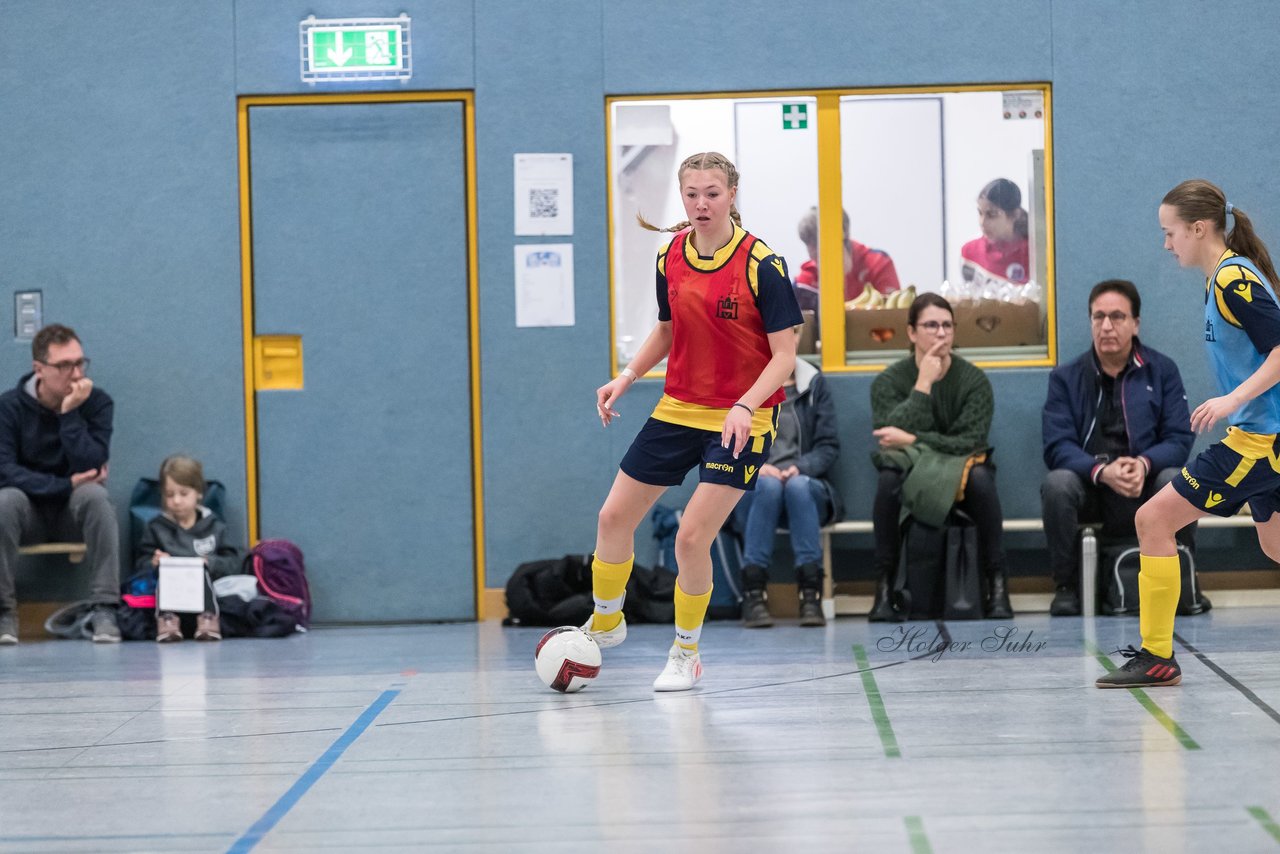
(567, 659)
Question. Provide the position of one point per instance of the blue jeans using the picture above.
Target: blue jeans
(799, 504)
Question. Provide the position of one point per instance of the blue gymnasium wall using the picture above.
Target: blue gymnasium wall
(118, 201)
(118, 196)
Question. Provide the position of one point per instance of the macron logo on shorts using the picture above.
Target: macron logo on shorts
(720, 467)
(748, 474)
(1214, 499)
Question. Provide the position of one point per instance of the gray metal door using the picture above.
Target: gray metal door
(359, 245)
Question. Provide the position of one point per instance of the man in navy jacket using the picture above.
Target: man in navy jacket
(55, 437)
(1116, 429)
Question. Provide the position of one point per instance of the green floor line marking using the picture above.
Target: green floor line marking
(1267, 822)
(877, 704)
(915, 830)
(1147, 703)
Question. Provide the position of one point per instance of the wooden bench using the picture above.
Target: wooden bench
(73, 551)
(1088, 568)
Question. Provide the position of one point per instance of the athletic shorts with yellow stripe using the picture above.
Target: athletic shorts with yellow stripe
(1242, 467)
(663, 453)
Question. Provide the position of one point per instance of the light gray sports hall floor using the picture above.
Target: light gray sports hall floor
(801, 740)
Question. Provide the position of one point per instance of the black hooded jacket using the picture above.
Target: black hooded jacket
(40, 449)
(819, 436)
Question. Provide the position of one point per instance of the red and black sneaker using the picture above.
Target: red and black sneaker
(1143, 670)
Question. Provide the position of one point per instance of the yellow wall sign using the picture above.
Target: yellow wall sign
(277, 362)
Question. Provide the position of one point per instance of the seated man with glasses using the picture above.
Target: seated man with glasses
(55, 435)
(1116, 429)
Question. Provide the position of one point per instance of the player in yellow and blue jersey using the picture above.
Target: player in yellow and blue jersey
(1242, 336)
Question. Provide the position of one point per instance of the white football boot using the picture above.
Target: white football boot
(604, 640)
(682, 672)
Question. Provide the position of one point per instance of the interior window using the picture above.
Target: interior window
(944, 191)
(772, 142)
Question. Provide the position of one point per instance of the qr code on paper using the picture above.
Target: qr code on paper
(544, 204)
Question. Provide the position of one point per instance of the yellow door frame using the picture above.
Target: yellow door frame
(243, 104)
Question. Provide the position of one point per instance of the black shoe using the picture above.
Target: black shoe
(998, 607)
(883, 609)
(754, 577)
(1143, 670)
(1066, 602)
(755, 610)
(811, 608)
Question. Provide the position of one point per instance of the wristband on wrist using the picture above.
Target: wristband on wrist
(627, 372)
(744, 406)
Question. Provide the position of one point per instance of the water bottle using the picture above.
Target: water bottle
(1088, 572)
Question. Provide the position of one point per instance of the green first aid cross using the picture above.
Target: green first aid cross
(795, 116)
(355, 48)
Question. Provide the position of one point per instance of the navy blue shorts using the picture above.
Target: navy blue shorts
(663, 453)
(1220, 480)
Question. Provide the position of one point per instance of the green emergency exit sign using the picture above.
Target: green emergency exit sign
(355, 49)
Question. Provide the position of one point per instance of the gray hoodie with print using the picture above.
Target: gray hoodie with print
(207, 538)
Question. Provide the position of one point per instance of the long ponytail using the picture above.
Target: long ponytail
(1198, 199)
(1243, 240)
(701, 161)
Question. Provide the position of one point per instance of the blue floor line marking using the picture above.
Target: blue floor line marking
(290, 798)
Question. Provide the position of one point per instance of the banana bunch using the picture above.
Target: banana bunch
(870, 298)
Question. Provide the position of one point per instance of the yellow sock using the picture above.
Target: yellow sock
(1159, 585)
(690, 612)
(609, 587)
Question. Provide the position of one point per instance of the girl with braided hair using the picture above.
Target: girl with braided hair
(726, 310)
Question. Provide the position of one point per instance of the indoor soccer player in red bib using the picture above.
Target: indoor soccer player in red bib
(726, 310)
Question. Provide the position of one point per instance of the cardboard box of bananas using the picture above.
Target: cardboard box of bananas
(876, 321)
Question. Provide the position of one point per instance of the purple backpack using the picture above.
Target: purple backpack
(282, 577)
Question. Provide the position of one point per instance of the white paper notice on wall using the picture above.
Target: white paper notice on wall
(544, 194)
(181, 585)
(1023, 105)
(544, 284)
